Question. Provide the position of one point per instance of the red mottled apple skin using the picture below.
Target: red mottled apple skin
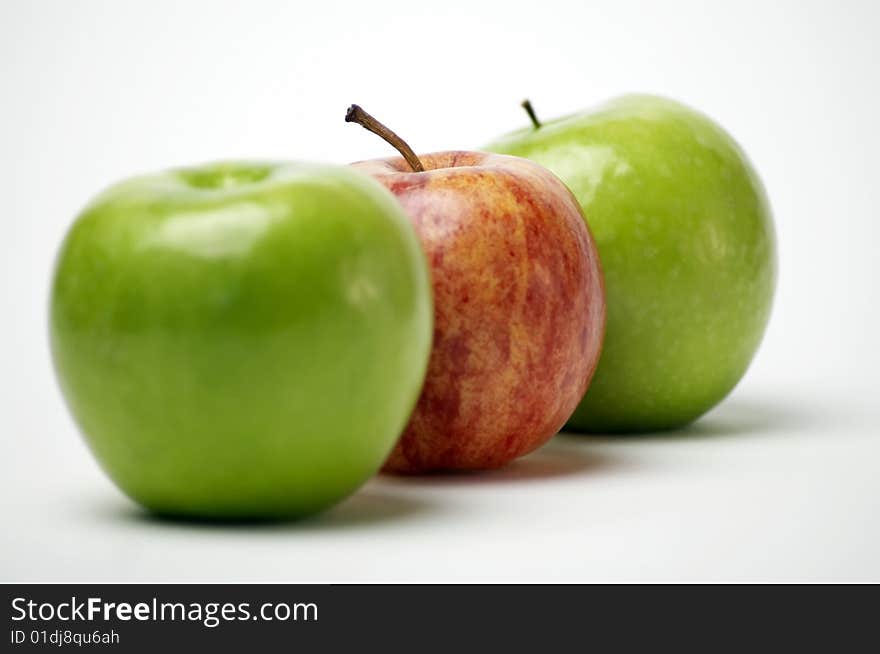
(519, 307)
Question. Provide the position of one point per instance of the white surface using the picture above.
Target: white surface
(779, 483)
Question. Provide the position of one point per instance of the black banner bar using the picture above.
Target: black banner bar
(539, 618)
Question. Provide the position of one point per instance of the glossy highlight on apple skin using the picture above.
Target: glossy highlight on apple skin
(686, 236)
(519, 307)
(242, 340)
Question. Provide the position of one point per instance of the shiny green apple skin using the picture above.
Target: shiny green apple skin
(686, 239)
(241, 340)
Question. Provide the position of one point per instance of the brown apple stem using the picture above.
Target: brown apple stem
(531, 112)
(357, 115)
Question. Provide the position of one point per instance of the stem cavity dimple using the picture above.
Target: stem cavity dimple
(357, 115)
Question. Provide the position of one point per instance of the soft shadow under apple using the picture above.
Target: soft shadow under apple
(365, 508)
(554, 460)
(732, 418)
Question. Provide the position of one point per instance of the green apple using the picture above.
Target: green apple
(686, 239)
(244, 339)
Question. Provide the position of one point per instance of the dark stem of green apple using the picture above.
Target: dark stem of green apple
(531, 112)
(357, 115)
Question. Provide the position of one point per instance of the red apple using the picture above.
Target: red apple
(519, 306)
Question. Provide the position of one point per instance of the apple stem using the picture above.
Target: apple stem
(531, 112)
(357, 115)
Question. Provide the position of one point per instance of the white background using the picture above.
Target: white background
(779, 483)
